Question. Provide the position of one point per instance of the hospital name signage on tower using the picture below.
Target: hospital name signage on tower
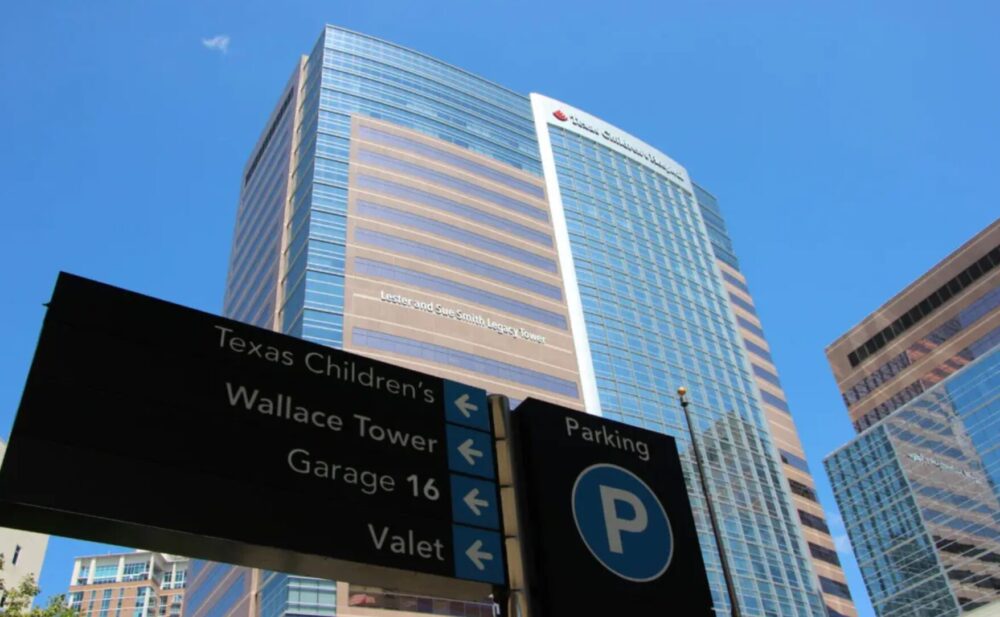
(619, 141)
(457, 314)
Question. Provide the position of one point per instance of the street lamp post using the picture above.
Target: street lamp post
(733, 603)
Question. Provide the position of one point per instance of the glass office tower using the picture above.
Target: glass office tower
(777, 411)
(921, 499)
(402, 208)
(931, 329)
(651, 315)
(918, 487)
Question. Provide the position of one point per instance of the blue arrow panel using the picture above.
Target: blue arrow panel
(470, 451)
(466, 405)
(474, 502)
(478, 555)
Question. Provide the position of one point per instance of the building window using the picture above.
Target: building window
(758, 350)
(443, 156)
(743, 304)
(373, 268)
(835, 588)
(925, 307)
(774, 401)
(454, 260)
(766, 375)
(444, 355)
(813, 521)
(795, 461)
(17, 553)
(737, 283)
(803, 491)
(749, 325)
(75, 600)
(136, 571)
(106, 573)
(428, 200)
(824, 554)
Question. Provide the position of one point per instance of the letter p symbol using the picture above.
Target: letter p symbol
(614, 524)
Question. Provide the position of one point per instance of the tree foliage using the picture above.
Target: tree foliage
(17, 599)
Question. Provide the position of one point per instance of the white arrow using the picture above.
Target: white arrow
(477, 556)
(474, 502)
(468, 452)
(465, 406)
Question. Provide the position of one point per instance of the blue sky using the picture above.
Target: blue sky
(852, 145)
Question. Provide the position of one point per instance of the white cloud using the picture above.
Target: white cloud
(843, 544)
(219, 42)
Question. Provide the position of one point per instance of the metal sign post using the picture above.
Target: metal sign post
(730, 587)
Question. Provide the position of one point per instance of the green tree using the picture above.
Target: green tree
(17, 599)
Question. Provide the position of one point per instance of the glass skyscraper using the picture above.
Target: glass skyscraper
(918, 488)
(921, 500)
(402, 208)
(655, 316)
(778, 413)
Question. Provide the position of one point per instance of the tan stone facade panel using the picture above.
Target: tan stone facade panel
(837, 352)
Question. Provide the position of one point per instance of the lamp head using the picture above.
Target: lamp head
(682, 391)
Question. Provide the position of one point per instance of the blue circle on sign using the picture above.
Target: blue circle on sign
(622, 522)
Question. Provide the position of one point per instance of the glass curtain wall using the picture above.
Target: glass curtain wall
(657, 319)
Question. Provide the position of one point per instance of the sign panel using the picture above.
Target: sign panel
(605, 516)
(279, 453)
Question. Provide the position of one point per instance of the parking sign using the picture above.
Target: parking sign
(606, 522)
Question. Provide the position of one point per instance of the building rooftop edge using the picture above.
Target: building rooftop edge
(874, 314)
(165, 556)
(425, 55)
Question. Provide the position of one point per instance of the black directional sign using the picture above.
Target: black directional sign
(606, 519)
(146, 423)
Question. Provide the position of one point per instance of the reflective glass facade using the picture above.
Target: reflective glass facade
(718, 234)
(920, 498)
(349, 73)
(255, 260)
(290, 255)
(822, 549)
(937, 325)
(282, 595)
(656, 318)
(409, 178)
(219, 590)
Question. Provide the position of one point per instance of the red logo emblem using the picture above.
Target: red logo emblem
(560, 116)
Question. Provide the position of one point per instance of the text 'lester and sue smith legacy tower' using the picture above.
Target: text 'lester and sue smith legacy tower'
(402, 208)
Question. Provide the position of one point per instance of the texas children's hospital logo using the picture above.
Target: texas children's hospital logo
(616, 139)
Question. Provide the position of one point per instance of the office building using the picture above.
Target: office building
(919, 495)
(822, 550)
(918, 488)
(23, 552)
(941, 322)
(137, 584)
(402, 208)
(222, 590)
